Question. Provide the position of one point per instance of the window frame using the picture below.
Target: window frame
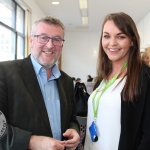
(14, 30)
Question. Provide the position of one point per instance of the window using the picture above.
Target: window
(12, 30)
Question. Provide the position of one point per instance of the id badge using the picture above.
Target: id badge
(93, 132)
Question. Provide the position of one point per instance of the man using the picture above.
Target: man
(37, 98)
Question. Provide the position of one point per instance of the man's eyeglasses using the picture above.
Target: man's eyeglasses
(45, 39)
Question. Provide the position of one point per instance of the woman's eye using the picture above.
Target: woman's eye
(106, 36)
(121, 37)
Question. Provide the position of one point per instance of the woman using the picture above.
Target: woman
(146, 57)
(120, 104)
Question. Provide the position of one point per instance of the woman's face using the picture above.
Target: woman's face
(115, 43)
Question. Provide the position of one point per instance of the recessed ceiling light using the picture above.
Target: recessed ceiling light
(84, 20)
(83, 4)
(55, 3)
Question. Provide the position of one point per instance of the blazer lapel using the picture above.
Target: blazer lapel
(30, 80)
(63, 103)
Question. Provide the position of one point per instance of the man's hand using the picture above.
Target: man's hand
(73, 139)
(45, 143)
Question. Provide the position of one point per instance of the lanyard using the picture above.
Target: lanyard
(95, 108)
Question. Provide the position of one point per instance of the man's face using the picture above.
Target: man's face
(46, 54)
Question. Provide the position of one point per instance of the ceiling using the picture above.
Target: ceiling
(69, 13)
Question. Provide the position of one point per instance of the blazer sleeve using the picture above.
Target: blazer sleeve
(14, 138)
(145, 131)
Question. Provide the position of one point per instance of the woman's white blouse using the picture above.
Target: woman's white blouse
(108, 118)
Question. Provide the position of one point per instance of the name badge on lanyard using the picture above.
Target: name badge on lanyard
(93, 132)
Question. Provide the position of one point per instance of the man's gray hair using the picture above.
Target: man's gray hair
(48, 20)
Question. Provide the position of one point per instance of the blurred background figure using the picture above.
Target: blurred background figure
(89, 78)
(78, 80)
(74, 81)
(146, 57)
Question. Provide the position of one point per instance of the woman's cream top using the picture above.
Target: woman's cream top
(108, 119)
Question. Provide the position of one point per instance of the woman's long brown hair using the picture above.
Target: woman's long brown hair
(104, 65)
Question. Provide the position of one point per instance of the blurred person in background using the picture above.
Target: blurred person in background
(89, 78)
(146, 57)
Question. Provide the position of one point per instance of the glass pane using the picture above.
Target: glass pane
(20, 20)
(20, 47)
(7, 44)
(7, 12)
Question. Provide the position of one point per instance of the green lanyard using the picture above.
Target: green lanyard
(95, 108)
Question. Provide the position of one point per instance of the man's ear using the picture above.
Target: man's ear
(31, 41)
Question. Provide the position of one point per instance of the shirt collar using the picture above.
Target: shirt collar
(37, 67)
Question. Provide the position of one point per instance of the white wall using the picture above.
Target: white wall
(36, 11)
(78, 59)
(144, 31)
